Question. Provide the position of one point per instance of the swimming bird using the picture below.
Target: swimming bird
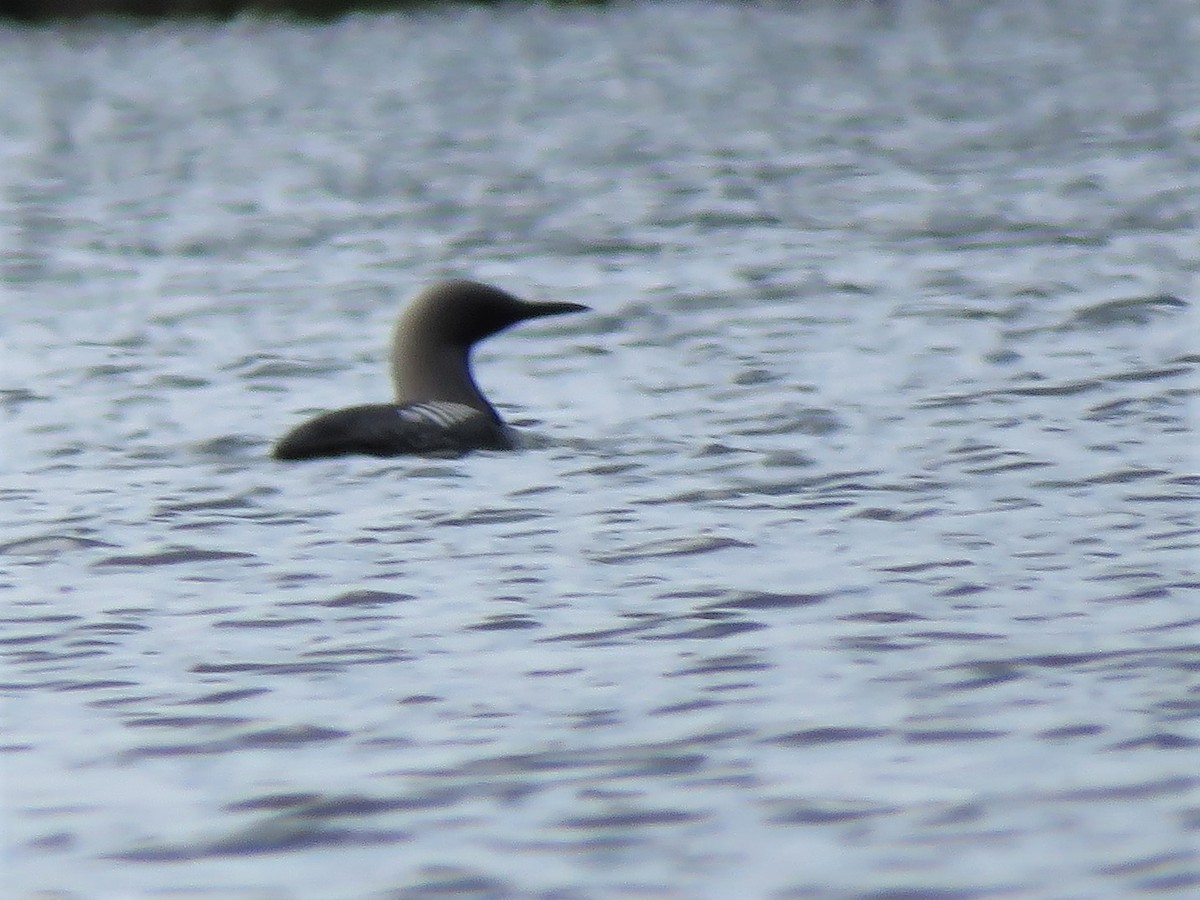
(438, 407)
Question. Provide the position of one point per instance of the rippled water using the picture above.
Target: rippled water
(856, 550)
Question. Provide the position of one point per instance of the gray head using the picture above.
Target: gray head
(432, 341)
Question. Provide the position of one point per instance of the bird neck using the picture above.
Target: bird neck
(423, 372)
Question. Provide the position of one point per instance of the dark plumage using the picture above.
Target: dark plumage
(438, 408)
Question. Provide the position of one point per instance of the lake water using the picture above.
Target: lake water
(855, 552)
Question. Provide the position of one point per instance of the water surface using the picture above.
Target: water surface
(855, 549)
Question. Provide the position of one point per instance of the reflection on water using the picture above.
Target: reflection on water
(854, 548)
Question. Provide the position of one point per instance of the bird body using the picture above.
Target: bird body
(439, 408)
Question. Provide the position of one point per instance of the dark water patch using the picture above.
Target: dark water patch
(1122, 573)
(230, 696)
(705, 451)
(670, 547)
(554, 673)
(933, 311)
(950, 735)
(570, 245)
(47, 660)
(111, 627)
(1138, 596)
(1178, 710)
(231, 447)
(764, 600)
(509, 622)
(596, 718)
(264, 668)
(174, 556)
(830, 812)
(723, 687)
(831, 491)
(633, 818)
(1114, 410)
(966, 589)
(707, 632)
(266, 367)
(93, 642)
(881, 514)
(874, 643)
(12, 399)
(983, 675)
(1016, 466)
(827, 734)
(47, 619)
(915, 568)
(452, 881)
(109, 370)
(957, 636)
(161, 721)
(271, 622)
(1064, 389)
(1179, 656)
(276, 836)
(175, 751)
(788, 487)
(172, 381)
(219, 524)
(1143, 375)
(18, 640)
(51, 545)
(648, 625)
(721, 220)
(755, 375)
(883, 617)
(1187, 624)
(1127, 311)
(351, 806)
(123, 700)
(715, 665)
(936, 892)
(635, 761)
(690, 497)
(416, 699)
(1173, 786)
(358, 655)
(1164, 498)
(494, 517)
(1119, 476)
(218, 504)
(54, 842)
(97, 684)
(1181, 881)
(957, 815)
(1064, 732)
(284, 738)
(368, 599)
(787, 459)
(684, 707)
(843, 482)
(807, 421)
(952, 401)
(973, 451)
(273, 802)
(1161, 740)
(605, 636)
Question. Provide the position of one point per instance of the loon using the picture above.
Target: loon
(438, 409)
